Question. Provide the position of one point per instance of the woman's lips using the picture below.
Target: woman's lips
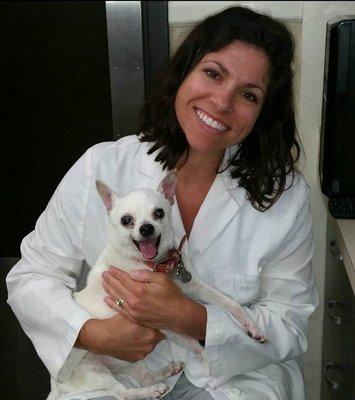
(209, 121)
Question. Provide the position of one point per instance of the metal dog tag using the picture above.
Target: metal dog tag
(182, 273)
(185, 276)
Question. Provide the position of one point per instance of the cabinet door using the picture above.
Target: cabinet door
(337, 365)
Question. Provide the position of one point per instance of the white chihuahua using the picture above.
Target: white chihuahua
(140, 231)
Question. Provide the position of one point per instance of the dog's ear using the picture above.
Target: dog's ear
(168, 185)
(108, 195)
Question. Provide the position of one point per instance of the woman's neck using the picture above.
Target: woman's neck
(200, 166)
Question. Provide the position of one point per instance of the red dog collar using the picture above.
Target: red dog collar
(169, 263)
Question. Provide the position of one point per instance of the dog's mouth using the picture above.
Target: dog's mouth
(148, 248)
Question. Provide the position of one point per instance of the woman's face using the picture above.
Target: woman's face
(220, 100)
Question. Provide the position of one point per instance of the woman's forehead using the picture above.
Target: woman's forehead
(241, 58)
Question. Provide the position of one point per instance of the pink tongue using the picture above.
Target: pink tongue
(148, 248)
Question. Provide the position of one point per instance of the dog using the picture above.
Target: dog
(140, 234)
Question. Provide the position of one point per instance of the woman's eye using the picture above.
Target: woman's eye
(159, 213)
(212, 73)
(126, 220)
(250, 96)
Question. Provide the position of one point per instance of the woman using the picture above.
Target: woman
(222, 114)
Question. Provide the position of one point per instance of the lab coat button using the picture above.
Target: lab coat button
(235, 393)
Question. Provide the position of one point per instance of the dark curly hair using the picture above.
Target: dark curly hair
(265, 156)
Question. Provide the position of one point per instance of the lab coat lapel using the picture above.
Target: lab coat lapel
(218, 209)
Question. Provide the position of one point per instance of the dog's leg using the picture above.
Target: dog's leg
(90, 374)
(197, 288)
(187, 342)
(154, 392)
(141, 373)
(190, 344)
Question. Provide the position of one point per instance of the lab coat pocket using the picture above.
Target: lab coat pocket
(243, 288)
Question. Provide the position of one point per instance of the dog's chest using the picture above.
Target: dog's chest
(110, 257)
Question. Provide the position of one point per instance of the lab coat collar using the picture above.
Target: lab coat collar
(220, 205)
(146, 163)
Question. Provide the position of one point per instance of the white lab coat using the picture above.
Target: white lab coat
(263, 260)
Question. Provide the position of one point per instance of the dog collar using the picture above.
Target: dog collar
(169, 263)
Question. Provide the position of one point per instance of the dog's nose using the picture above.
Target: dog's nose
(146, 230)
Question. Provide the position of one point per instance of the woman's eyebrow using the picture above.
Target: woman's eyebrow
(249, 85)
(252, 85)
(224, 70)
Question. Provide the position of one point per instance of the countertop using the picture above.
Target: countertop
(345, 236)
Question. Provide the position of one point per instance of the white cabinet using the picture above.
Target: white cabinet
(338, 353)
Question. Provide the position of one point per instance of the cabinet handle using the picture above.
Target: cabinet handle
(335, 318)
(334, 251)
(333, 384)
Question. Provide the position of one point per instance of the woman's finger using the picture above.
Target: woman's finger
(113, 293)
(120, 310)
(117, 289)
(115, 297)
(128, 281)
(143, 275)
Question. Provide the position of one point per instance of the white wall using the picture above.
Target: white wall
(313, 15)
(187, 12)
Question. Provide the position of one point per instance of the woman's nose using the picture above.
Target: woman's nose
(223, 99)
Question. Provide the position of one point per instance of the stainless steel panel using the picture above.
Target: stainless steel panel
(124, 21)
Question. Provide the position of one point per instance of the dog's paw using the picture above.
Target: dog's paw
(202, 356)
(174, 368)
(257, 338)
(253, 332)
(159, 390)
(250, 329)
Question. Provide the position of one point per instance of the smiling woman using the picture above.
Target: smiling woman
(221, 115)
(236, 68)
(219, 102)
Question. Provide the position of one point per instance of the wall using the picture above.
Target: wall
(307, 22)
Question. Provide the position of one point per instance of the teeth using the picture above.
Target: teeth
(210, 122)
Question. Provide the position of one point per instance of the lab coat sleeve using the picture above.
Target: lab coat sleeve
(287, 299)
(40, 285)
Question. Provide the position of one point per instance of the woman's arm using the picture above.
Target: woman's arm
(118, 337)
(40, 285)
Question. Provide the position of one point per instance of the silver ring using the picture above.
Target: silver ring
(119, 302)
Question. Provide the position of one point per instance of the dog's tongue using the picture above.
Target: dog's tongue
(148, 248)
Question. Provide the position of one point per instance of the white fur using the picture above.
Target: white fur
(97, 373)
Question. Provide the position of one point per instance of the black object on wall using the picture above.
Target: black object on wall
(57, 88)
(155, 39)
(337, 152)
(56, 85)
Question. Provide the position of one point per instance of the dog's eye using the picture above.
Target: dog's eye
(126, 220)
(159, 213)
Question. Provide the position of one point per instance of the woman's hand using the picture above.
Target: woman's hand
(118, 337)
(154, 300)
